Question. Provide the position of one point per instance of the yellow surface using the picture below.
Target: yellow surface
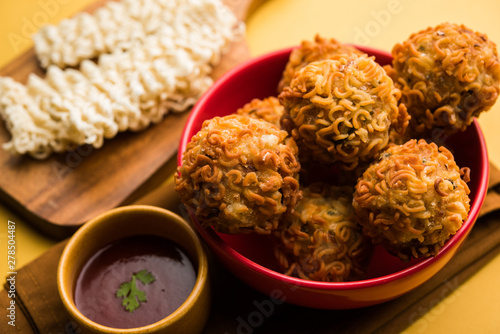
(475, 305)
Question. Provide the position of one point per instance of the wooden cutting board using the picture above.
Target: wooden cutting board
(64, 191)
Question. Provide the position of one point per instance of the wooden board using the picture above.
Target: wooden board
(64, 191)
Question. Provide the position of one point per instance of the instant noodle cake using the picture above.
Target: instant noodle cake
(342, 110)
(308, 51)
(447, 74)
(413, 199)
(268, 109)
(239, 175)
(321, 240)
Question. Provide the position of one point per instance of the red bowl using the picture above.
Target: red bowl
(250, 257)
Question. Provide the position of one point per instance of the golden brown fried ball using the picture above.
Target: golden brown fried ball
(268, 109)
(413, 199)
(309, 51)
(340, 110)
(321, 240)
(239, 175)
(448, 74)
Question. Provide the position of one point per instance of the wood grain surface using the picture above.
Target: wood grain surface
(64, 191)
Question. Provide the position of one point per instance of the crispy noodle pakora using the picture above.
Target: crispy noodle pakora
(413, 199)
(239, 175)
(268, 109)
(448, 74)
(308, 51)
(321, 240)
(341, 110)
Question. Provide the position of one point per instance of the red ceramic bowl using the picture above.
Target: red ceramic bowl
(256, 266)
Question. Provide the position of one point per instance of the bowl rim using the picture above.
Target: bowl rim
(229, 252)
(201, 283)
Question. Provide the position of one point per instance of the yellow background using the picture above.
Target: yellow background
(473, 307)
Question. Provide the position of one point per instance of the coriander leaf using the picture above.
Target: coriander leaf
(124, 290)
(132, 296)
(130, 301)
(145, 277)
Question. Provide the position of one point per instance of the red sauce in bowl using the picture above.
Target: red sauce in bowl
(115, 264)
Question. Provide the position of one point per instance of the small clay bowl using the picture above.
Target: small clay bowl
(130, 221)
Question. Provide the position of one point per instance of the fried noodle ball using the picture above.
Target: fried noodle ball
(268, 109)
(341, 110)
(413, 199)
(309, 51)
(239, 175)
(448, 75)
(321, 239)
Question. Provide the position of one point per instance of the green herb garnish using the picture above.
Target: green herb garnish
(132, 296)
